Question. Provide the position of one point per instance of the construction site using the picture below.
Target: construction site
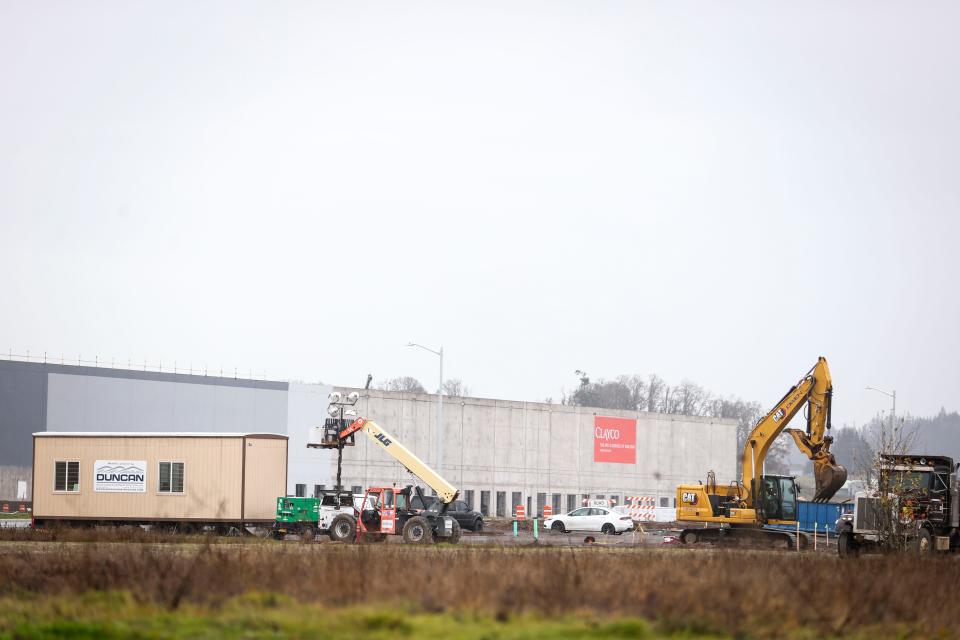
(488, 320)
(152, 496)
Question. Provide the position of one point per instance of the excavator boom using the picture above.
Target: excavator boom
(815, 391)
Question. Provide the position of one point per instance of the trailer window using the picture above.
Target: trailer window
(66, 475)
(170, 477)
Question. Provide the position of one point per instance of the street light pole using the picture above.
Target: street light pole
(439, 405)
(893, 412)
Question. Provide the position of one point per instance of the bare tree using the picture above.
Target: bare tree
(692, 399)
(893, 488)
(403, 383)
(455, 387)
(655, 390)
(637, 387)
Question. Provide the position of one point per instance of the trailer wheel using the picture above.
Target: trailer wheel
(307, 534)
(847, 545)
(923, 545)
(417, 530)
(343, 528)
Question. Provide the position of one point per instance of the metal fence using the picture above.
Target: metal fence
(131, 364)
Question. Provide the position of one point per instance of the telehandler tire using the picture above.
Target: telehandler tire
(455, 534)
(343, 528)
(417, 530)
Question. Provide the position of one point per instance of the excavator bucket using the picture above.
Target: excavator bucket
(830, 477)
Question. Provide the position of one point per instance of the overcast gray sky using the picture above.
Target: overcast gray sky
(713, 191)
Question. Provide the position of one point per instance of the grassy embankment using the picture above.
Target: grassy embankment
(293, 590)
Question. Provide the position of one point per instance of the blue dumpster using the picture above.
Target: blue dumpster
(823, 514)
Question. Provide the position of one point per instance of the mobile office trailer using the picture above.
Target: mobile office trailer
(187, 480)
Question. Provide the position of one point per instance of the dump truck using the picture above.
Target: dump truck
(917, 500)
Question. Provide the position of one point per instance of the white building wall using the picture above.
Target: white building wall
(530, 448)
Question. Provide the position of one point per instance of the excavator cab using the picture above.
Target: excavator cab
(778, 499)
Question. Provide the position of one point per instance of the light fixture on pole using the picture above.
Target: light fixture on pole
(439, 405)
(341, 414)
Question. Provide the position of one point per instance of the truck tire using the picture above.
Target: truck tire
(847, 545)
(455, 534)
(923, 544)
(343, 528)
(417, 530)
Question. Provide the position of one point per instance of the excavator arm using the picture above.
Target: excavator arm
(814, 391)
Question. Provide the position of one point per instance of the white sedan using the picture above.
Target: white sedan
(590, 519)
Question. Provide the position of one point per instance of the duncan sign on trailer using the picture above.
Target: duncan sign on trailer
(120, 476)
(614, 440)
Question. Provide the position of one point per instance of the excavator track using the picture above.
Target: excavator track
(745, 537)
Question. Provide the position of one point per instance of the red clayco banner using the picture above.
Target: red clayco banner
(614, 440)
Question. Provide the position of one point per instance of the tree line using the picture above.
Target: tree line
(409, 384)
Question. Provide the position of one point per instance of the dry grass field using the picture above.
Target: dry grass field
(51, 589)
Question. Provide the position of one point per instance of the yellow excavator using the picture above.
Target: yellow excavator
(741, 510)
